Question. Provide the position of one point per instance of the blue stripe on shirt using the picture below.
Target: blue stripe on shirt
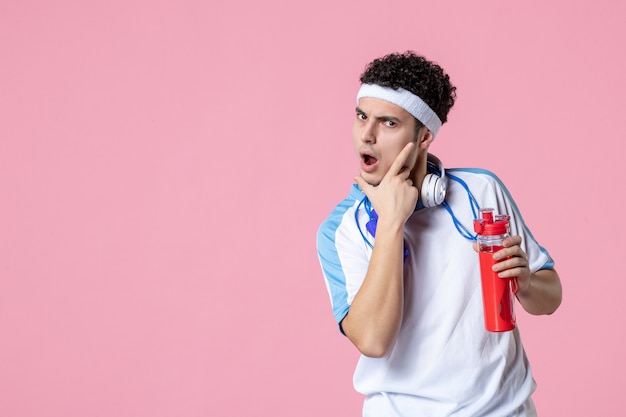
(330, 262)
(550, 262)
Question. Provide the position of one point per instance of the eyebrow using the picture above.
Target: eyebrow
(380, 118)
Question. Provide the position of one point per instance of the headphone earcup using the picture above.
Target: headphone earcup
(433, 190)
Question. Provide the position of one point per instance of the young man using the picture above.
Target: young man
(401, 266)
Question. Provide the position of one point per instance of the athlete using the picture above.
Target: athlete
(399, 260)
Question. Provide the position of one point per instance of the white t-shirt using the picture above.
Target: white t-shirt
(444, 362)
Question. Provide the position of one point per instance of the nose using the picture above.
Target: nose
(368, 133)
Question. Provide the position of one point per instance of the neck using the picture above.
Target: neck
(419, 170)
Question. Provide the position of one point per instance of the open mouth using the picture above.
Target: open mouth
(369, 160)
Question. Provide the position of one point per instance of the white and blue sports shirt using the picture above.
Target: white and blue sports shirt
(444, 362)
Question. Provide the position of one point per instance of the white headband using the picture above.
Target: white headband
(405, 99)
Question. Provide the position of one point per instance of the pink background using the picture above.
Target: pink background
(164, 166)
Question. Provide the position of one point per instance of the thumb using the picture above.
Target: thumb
(362, 184)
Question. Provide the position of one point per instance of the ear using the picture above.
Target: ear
(425, 138)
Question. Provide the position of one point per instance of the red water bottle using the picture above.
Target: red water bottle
(498, 292)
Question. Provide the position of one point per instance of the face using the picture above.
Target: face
(381, 130)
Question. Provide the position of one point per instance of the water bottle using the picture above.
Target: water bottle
(498, 297)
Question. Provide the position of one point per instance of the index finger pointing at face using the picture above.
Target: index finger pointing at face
(401, 159)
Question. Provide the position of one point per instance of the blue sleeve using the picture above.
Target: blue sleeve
(332, 269)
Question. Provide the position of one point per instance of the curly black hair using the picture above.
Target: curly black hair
(416, 74)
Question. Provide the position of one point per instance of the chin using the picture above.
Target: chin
(371, 179)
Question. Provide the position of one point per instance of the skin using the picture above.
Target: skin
(539, 292)
(393, 158)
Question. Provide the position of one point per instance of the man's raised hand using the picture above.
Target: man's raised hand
(394, 199)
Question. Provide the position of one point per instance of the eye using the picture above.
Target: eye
(390, 123)
(361, 116)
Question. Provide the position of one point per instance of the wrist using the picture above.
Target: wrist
(525, 288)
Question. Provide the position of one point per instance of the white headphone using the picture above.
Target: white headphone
(433, 190)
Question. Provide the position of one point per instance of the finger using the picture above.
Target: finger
(512, 241)
(400, 160)
(510, 263)
(511, 273)
(362, 184)
(404, 173)
(508, 252)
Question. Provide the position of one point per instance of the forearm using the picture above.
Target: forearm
(375, 315)
(543, 294)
